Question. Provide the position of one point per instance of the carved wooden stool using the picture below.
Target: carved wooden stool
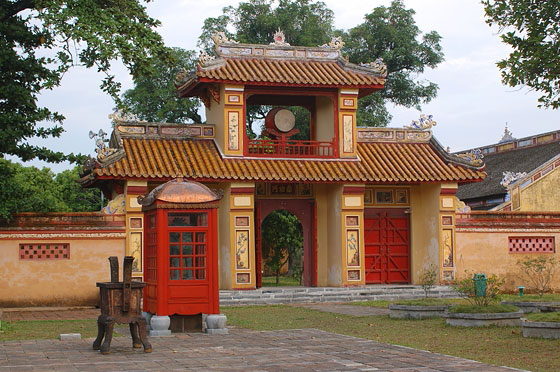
(120, 303)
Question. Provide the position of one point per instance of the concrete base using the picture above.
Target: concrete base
(70, 336)
(533, 307)
(216, 324)
(483, 319)
(541, 329)
(416, 312)
(160, 326)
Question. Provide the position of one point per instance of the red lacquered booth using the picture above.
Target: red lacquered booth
(181, 258)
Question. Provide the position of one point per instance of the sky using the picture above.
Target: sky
(471, 109)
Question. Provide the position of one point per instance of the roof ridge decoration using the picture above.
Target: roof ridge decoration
(279, 38)
(426, 122)
(511, 177)
(203, 59)
(474, 157)
(220, 38)
(119, 116)
(335, 43)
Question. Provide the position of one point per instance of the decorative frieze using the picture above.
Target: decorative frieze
(393, 135)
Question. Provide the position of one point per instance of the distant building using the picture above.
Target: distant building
(507, 162)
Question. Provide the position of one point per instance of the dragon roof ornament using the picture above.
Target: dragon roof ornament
(425, 122)
(220, 38)
(335, 43)
(103, 151)
(474, 157)
(378, 66)
(279, 39)
(119, 116)
(204, 58)
(511, 177)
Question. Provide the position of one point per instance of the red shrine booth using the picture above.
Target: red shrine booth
(181, 258)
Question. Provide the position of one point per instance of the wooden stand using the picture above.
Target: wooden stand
(120, 303)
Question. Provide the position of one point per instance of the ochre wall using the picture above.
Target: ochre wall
(215, 115)
(424, 228)
(542, 195)
(486, 251)
(60, 282)
(325, 119)
(334, 235)
(224, 233)
(321, 198)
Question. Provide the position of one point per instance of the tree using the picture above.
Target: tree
(154, 97)
(392, 34)
(387, 32)
(532, 30)
(41, 39)
(30, 189)
(282, 238)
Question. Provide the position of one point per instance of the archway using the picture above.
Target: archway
(304, 210)
(282, 249)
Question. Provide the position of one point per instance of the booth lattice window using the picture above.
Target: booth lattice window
(187, 255)
(48, 251)
(531, 244)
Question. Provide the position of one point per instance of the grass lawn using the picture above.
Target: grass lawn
(270, 281)
(41, 329)
(547, 297)
(495, 345)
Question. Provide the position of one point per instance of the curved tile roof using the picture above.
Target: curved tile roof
(201, 160)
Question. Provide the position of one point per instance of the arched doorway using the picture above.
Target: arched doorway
(304, 210)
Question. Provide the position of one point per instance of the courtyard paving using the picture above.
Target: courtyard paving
(241, 350)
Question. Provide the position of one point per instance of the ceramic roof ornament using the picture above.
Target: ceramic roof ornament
(335, 43)
(220, 38)
(119, 116)
(426, 122)
(279, 38)
(507, 136)
(204, 58)
(510, 177)
(103, 151)
(474, 156)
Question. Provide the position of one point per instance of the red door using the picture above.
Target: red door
(387, 241)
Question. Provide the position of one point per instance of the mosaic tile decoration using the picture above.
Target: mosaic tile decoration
(50, 251)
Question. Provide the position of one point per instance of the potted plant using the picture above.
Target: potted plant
(539, 272)
(542, 325)
(483, 295)
(421, 308)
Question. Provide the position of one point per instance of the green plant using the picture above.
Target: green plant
(544, 317)
(428, 279)
(539, 271)
(490, 308)
(465, 288)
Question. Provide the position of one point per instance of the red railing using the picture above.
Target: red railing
(291, 149)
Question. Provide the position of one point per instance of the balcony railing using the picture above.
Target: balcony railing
(291, 149)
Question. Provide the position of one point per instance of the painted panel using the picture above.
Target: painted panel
(242, 249)
(353, 247)
(348, 133)
(242, 221)
(353, 275)
(243, 278)
(136, 251)
(233, 130)
(448, 254)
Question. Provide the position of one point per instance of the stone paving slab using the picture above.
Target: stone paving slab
(241, 350)
(345, 309)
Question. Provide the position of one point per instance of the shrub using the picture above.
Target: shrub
(465, 288)
(428, 279)
(539, 272)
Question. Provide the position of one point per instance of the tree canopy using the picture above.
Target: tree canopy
(387, 32)
(41, 39)
(154, 98)
(532, 29)
(30, 189)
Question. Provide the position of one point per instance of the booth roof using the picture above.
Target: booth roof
(200, 159)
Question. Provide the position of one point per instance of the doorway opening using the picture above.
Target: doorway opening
(282, 249)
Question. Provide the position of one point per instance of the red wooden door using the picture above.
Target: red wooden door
(387, 246)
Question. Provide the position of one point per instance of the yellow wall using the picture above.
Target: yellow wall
(321, 198)
(61, 282)
(334, 236)
(542, 195)
(224, 233)
(215, 115)
(325, 119)
(424, 228)
(487, 252)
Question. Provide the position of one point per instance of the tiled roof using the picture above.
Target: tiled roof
(201, 160)
(299, 72)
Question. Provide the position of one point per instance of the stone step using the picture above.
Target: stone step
(287, 295)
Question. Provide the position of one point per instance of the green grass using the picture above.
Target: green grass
(428, 302)
(494, 345)
(493, 308)
(270, 281)
(374, 303)
(547, 297)
(544, 317)
(44, 329)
